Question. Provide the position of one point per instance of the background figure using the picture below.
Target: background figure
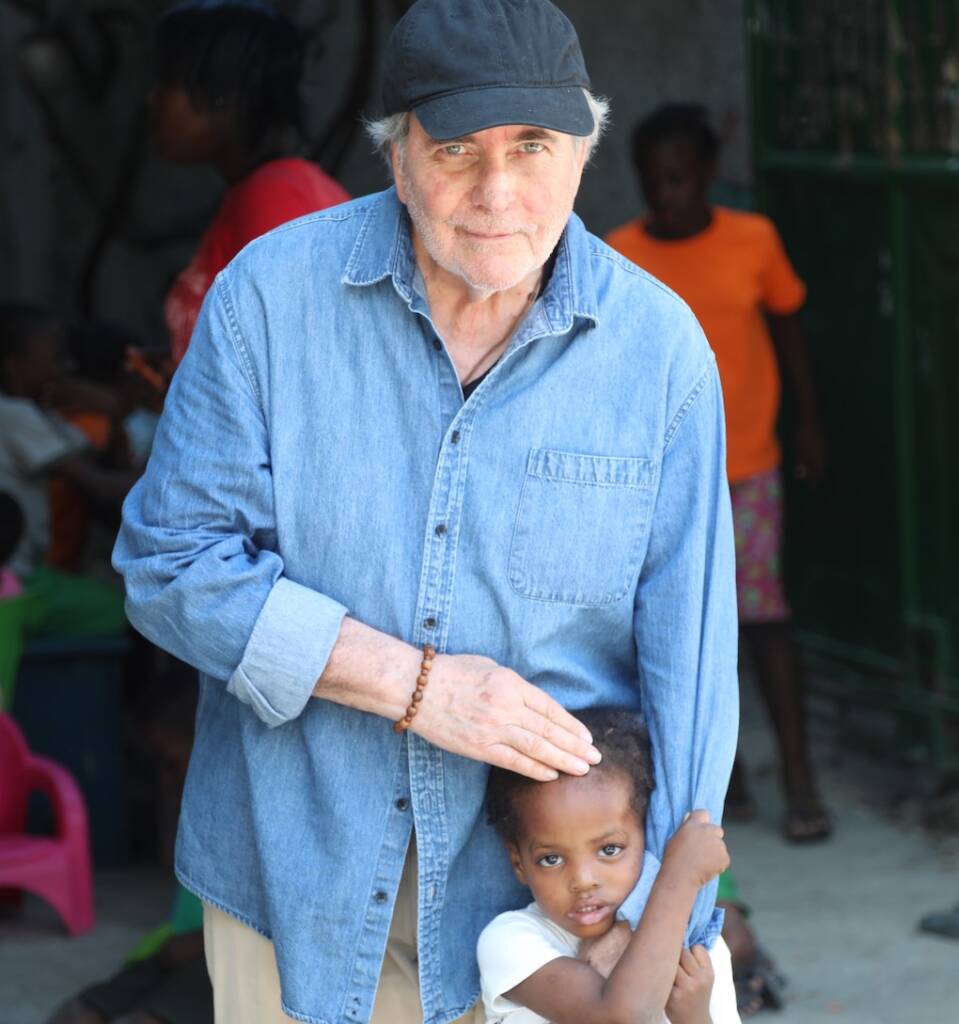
(228, 94)
(164, 980)
(35, 443)
(11, 592)
(731, 268)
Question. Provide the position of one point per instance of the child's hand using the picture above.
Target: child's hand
(603, 954)
(696, 851)
(688, 1002)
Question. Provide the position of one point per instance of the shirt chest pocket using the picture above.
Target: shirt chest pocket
(581, 526)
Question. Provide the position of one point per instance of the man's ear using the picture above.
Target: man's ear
(514, 858)
(396, 158)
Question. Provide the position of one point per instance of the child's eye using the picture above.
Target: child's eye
(550, 860)
(610, 850)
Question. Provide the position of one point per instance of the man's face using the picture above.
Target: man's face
(580, 849)
(489, 207)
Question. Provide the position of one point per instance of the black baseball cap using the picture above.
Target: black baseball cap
(465, 65)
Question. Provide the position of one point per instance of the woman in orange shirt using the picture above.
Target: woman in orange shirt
(732, 269)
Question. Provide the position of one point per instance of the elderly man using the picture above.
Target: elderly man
(443, 417)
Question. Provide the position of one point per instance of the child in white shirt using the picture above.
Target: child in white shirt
(578, 843)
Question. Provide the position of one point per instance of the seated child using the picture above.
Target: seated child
(578, 843)
(11, 532)
(34, 443)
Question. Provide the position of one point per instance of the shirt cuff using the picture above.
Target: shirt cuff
(287, 651)
(631, 909)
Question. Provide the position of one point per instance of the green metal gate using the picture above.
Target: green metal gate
(856, 134)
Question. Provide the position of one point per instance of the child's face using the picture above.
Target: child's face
(182, 133)
(580, 849)
(32, 370)
(675, 181)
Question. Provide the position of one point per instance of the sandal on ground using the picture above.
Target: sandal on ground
(807, 823)
(741, 810)
(945, 923)
(759, 985)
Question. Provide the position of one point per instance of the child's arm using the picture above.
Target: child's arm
(568, 991)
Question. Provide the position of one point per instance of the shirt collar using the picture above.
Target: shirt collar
(383, 248)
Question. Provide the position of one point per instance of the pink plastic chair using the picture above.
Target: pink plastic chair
(54, 868)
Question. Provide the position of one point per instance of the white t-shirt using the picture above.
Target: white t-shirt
(31, 441)
(517, 944)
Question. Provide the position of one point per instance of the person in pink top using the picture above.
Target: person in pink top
(228, 94)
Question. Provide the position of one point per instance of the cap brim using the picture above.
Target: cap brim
(556, 108)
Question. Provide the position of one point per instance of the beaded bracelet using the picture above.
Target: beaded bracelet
(429, 653)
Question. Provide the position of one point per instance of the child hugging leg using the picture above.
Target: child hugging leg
(578, 844)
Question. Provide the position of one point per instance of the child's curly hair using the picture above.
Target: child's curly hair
(622, 739)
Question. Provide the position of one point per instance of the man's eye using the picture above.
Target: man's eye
(533, 147)
(550, 860)
(610, 850)
(454, 149)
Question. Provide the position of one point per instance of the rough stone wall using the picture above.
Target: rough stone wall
(92, 223)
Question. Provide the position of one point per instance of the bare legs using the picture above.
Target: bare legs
(781, 683)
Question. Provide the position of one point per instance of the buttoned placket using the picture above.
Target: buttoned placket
(433, 608)
(367, 963)
(434, 600)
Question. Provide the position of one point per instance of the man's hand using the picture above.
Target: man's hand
(471, 706)
(688, 1002)
(478, 709)
(603, 953)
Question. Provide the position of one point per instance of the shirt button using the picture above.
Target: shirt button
(380, 896)
(429, 623)
(440, 530)
(455, 437)
(402, 803)
(437, 344)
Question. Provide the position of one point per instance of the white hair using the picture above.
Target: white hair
(390, 131)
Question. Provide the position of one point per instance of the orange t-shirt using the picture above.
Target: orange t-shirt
(730, 274)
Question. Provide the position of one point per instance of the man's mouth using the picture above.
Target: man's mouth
(589, 913)
(486, 236)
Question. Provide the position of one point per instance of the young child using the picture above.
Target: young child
(578, 843)
(732, 269)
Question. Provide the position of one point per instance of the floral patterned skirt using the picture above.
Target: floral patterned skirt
(758, 526)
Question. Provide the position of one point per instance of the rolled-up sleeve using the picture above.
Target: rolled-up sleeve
(197, 543)
(687, 633)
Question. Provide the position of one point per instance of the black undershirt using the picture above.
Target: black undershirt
(468, 389)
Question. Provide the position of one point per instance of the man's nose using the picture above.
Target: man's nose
(494, 187)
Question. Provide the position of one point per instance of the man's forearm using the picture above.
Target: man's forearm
(369, 670)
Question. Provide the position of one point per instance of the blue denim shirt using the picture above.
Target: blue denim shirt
(314, 439)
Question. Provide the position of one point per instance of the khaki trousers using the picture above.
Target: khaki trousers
(246, 986)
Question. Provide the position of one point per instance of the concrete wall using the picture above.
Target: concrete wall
(90, 221)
